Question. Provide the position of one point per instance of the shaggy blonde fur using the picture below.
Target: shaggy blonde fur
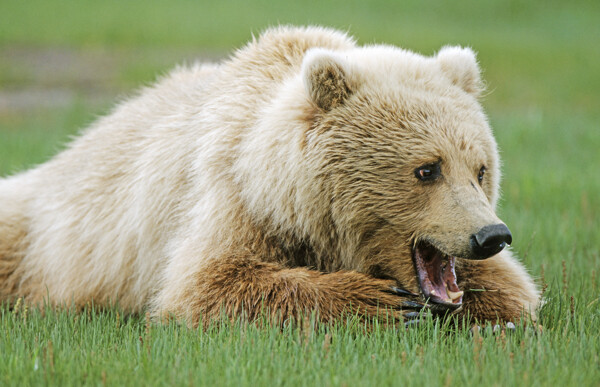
(282, 177)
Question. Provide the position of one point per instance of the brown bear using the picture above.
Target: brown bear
(305, 174)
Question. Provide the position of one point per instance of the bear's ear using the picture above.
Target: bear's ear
(460, 66)
(325, 79)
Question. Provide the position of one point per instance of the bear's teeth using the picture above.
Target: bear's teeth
(454, 295)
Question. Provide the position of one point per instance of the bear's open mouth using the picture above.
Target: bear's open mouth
(436, 275)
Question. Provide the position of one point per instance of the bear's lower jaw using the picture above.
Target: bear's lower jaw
(436, 275)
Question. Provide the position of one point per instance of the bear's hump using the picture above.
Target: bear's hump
(286, 46)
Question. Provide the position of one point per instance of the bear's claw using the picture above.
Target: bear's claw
(412, 323)
(414, 305)
(411, 315)
(444, 308)
(402, 292)
(411, 306)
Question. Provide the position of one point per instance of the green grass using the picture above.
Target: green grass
(542, 64)
(71, 349)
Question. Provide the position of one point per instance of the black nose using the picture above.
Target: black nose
(490, 240)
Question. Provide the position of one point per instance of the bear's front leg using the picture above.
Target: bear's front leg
(246, 286)
(497, 289)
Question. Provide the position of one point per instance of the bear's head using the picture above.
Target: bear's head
(406, 162)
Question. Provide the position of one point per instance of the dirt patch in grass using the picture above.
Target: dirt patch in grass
(33, 78)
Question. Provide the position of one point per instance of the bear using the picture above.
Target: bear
(304, 174)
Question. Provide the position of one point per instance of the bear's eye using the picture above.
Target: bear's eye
(480, 175)
(428, 172)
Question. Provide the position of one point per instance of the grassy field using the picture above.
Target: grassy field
(64, 62)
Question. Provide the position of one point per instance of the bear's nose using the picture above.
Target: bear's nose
(490, 240)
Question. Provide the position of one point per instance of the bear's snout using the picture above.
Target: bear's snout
(490, 240)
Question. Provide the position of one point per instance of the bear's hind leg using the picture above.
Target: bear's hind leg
(245, 286)
(12, 250)
(11, 256)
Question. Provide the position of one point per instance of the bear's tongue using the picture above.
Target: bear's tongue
(435, 272)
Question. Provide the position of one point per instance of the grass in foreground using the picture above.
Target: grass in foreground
(68, 348)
